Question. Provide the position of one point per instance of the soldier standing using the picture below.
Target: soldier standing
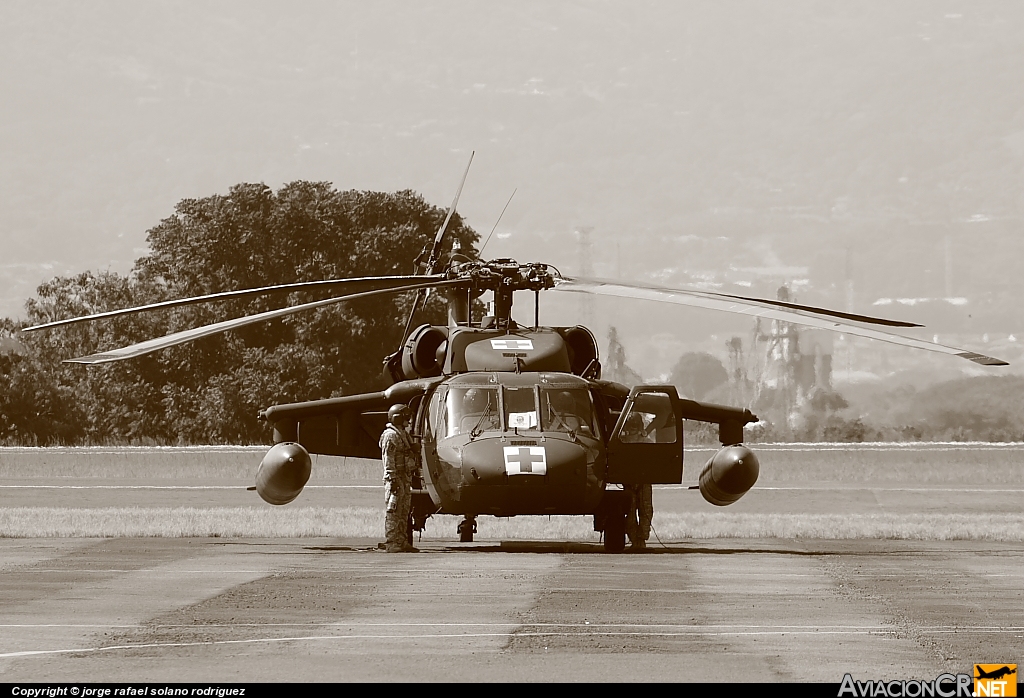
(639, 512)
(639, 497)
(400, 465)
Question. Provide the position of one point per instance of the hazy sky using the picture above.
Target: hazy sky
(741, 144)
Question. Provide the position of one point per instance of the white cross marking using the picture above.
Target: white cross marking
(525, 460)
(512, 344)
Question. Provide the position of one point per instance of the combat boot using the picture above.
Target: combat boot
(409, 549)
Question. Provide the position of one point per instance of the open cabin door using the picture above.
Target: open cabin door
(646, 445)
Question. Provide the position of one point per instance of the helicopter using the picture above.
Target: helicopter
(511, 419)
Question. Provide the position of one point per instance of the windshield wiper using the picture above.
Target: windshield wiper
(476, 430)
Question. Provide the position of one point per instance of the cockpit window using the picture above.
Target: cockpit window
(650, 419)
(567, 410)
(475, 410)
(521, 408)
(434, 416)
(472, 410)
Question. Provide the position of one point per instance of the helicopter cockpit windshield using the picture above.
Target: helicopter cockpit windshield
(567, 410)
(471, 411)
(478, 409)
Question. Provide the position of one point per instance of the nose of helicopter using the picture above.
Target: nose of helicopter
(525, 475)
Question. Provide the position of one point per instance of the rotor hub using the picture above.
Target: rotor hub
(505, 275)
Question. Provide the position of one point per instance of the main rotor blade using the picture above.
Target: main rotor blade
(353, 285)
(758, 302)
(435, 251)
(184, 336)
(820, 318)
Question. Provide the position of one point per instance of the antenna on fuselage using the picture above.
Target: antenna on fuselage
(481, 254)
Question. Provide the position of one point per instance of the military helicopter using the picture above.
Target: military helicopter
(512, 420)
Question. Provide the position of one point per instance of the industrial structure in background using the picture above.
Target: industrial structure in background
(792, 369)
(615, 366)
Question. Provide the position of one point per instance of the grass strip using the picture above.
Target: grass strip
(922, 464)
(367, 522)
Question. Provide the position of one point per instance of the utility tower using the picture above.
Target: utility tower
(586, 267)
(739, 384)
(778, 344)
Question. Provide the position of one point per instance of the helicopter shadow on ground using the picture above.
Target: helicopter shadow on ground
(569, 547)
(598, 548)
(807, 549)
(556, 547)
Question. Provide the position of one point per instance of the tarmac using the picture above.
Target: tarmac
(158, 611)
(217, 610)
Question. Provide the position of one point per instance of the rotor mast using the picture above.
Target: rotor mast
(504, 277)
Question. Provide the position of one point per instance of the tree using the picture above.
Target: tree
(983, 408)
(698, 373)
(33, 408)
(211, 390)
(306, 231)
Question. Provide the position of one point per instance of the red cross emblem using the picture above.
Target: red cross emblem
(525, 460)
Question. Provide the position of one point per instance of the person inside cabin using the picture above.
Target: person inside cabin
(563, 415)
(480, 410)
(634, 431)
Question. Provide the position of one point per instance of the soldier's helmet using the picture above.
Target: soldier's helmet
(398, 414)
(563, 402)
(634, 424)
(474, 401)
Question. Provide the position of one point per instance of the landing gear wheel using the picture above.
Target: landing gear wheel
(467, 527)
(408, 531)
(615, 531)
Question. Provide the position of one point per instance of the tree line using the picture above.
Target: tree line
(211, 390)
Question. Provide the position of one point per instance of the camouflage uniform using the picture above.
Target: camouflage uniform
(399, 466)
(639, 512)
